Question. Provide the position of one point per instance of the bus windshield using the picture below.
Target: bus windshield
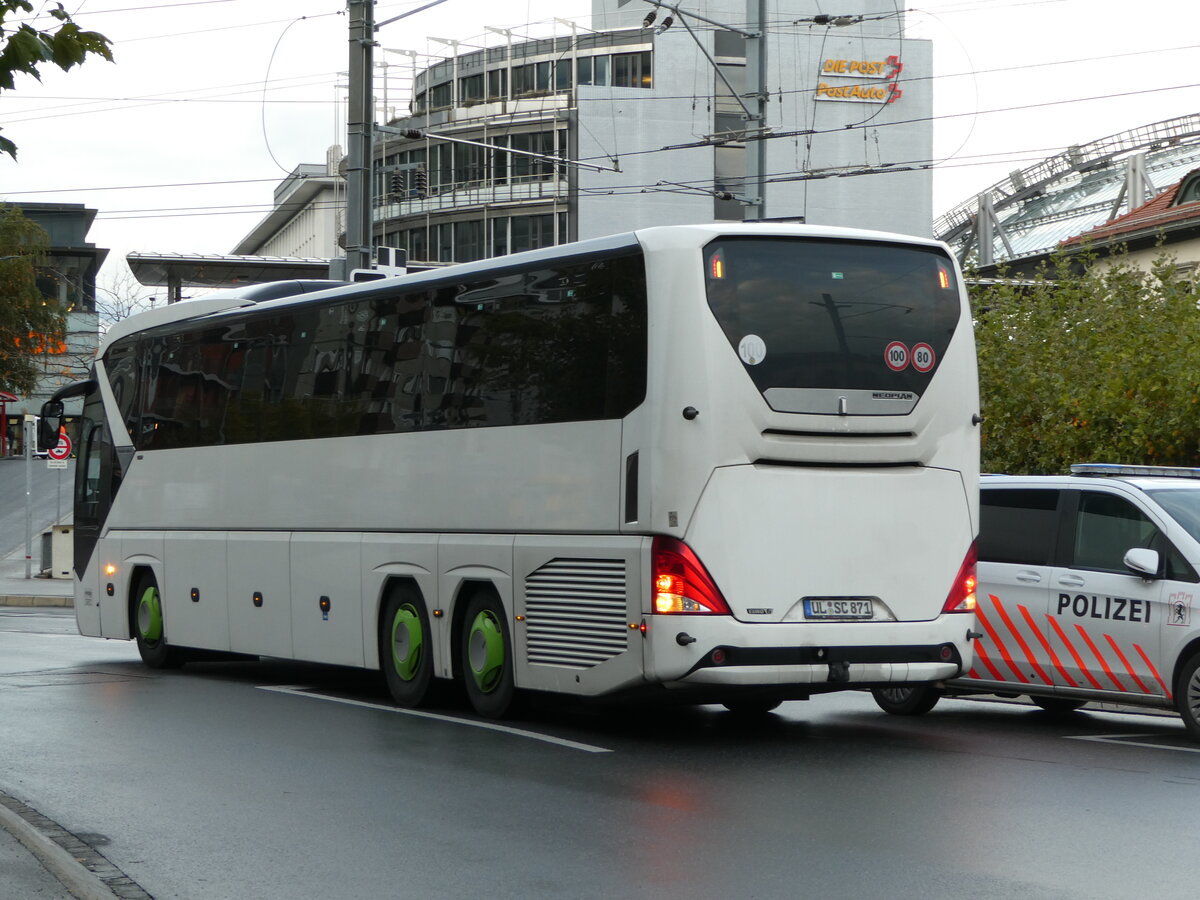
(820, 315)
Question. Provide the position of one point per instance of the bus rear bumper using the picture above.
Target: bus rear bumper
(697, 651)
(851, 675)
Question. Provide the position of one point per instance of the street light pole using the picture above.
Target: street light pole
(28, 423)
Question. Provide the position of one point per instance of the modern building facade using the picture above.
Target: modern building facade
(69, 278)
(530, 143)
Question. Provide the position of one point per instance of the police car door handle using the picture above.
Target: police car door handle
(1029, 577)
(1071, 581)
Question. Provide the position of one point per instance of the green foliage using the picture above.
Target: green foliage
(24, 49)
(29, 324)
(1098, 367)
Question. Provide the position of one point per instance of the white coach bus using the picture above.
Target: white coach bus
(733, 464)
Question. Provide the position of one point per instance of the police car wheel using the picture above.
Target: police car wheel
(1187, 695)
(907, 700)
(1058, 705)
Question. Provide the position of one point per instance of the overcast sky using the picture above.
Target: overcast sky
(180, 143)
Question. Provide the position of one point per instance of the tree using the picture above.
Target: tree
(30, 325)
(24, 49)
(1102, 366)
(117, 298)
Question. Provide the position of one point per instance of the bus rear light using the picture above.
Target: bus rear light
(680, 583)
(961, 598)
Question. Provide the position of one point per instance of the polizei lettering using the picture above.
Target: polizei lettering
(1119, 609)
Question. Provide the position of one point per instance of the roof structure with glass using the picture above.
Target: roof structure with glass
(1028, 214)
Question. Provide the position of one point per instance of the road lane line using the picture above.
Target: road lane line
(300, 691)
(1121, 739)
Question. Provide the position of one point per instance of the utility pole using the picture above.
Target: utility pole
(360, 120)
(756, 78)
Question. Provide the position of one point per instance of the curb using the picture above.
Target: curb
(25, 600)
(64, 866)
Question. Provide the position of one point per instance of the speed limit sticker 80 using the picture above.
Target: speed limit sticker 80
(898, 357)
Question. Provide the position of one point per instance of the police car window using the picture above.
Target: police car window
(1175, 567)
(1017, 526)
(1182, 505)
(1106, 529)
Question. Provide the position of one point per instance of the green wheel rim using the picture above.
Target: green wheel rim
(485, 651)
(408, 642)
(149, 615)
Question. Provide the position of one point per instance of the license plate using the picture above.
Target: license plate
(839, 608)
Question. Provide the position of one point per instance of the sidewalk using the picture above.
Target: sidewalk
(17, 590)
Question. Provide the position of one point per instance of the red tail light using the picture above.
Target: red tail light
(680, 583)
(961, 598)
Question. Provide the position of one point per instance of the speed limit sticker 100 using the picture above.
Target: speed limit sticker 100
(895, 355)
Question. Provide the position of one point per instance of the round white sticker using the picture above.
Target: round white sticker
(752, 349)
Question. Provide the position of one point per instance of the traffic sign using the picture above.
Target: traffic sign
(62, 449)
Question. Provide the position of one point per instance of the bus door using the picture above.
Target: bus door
(97, 475)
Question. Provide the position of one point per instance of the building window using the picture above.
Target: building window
(468, 241)
(1189, 191)
(444, 235)
(583, 70)
(631, 70)
(497, 84)
(441, 96)
(470, 89)
(601, 70)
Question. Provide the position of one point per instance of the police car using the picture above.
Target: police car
(1087, 591)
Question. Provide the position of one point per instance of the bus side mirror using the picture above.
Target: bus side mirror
(49, 424)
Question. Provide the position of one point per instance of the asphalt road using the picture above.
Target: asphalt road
(274, 780)
(49, 500)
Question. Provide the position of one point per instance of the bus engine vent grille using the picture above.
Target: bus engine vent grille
(575, 612)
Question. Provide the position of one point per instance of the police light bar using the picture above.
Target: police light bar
(1118, 469)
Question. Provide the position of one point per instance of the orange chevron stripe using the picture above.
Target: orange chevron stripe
(1062, 636)
(1125, 663)
(1004, 654)
(1153, 671)
(1012, 629)
(1066, 676)
(1103, 662)
(982, 654)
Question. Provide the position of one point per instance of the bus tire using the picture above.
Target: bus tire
(1058, 705)
(1187, 695)
(907, 700)
(406, 646)
(486, 657)
(149, 630)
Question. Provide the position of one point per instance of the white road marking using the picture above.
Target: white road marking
(301, 691)
(1123, 739)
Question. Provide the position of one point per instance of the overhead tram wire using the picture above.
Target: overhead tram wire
(919, 119)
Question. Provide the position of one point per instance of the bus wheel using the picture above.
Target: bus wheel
(486, 655)
(405, 646)
(909, 700)
(1058, 705)
(148, 627)
(1187, 695)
